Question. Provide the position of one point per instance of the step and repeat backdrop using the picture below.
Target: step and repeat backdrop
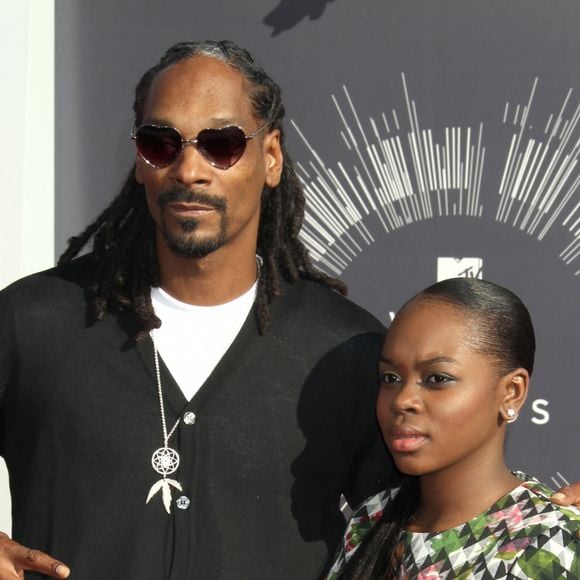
(434, 138)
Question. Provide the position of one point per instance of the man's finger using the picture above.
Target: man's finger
(23, 558)
(569, 495)
(37, 561)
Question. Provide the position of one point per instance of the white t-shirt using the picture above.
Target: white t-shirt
(193, 339)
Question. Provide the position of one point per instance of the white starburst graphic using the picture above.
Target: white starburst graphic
(407, 176)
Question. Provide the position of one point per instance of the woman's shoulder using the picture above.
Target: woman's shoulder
(363, 519)
(360, 523)
(368, 513)
(532, 498)
(547, 534)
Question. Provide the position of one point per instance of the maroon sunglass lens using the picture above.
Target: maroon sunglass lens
(160, 146)
(222, 147)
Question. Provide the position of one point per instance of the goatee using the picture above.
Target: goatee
(186, 243)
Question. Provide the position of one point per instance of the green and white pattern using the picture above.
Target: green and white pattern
(523, 535)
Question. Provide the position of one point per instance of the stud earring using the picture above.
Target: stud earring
(512, 415)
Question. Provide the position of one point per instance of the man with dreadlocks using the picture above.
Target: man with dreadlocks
(192, 397)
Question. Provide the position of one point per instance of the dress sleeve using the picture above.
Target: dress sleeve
(338, 565)
(555, 553)
(361, 521)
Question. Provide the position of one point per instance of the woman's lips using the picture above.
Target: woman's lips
(406, 440)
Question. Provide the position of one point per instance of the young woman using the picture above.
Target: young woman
(454, 372)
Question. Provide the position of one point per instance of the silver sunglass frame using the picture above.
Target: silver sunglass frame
(193, 142)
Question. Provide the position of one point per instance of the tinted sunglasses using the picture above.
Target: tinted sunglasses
(160, 145)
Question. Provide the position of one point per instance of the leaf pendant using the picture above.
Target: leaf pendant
(165, 486)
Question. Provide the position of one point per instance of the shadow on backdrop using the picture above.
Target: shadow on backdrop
(290, 12)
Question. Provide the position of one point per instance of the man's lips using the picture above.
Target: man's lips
(405, 440)
(190, 208)
(183, 201)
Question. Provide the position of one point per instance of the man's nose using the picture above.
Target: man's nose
(191, 167)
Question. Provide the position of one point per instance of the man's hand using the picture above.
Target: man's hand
(15, 559)
(569, 495)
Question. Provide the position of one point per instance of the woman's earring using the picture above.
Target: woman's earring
(512, 415)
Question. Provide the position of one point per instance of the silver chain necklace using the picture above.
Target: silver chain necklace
(165, 460)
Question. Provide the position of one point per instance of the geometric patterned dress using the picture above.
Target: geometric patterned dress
(523, 535)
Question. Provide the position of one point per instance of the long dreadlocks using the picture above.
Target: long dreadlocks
(123, 235)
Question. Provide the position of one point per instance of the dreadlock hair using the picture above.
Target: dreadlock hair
(502, 331)
(123, 235)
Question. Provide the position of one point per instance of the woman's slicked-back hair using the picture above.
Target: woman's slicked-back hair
(502, 326)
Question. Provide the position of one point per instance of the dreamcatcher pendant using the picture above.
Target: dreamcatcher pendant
(165, 461)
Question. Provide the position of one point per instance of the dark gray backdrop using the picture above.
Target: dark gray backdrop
(481, 79)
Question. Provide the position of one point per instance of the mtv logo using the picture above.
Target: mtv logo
(459, 268)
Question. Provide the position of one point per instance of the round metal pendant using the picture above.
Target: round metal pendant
(165, 460)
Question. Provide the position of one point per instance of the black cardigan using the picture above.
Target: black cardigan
(285, 425)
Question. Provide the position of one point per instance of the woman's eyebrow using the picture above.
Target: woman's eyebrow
(426, 362)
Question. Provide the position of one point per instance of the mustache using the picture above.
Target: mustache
(191, 196)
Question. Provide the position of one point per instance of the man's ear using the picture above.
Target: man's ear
(514, 390)
(273, 158)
